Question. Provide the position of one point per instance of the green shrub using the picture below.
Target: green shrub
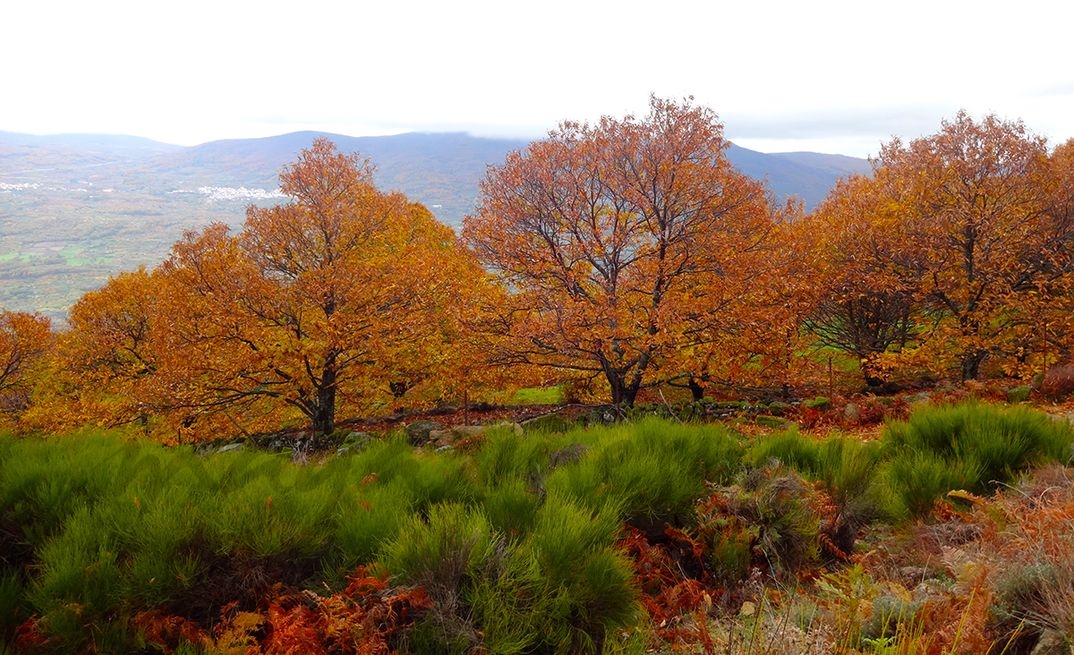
(505, 455)
(445, 556)
(560, 587)
(970, 446)
(918, 479)
(442, 553)
(80, 584)
(565, 530)
(366, 518)
(512, 605)
(160, 537)
(654, 470)
(383, 460)
(42, 483)
(436, 478)
(589, 589)
(263, 509)
(789, 448)
(511, 507)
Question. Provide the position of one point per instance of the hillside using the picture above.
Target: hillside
(75, 209)
(807, 175)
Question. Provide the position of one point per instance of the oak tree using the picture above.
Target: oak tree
(24, 340)
(104, 368)
(343, 294)
(975, 198)
(865, 274)
(622, 244)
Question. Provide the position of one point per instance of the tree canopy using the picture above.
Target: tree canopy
(622, 244)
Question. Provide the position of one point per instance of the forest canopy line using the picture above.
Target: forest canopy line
(618, 258)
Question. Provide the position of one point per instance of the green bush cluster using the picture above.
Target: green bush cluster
(971, 446)
(561, 587)
(516, 541)
(654, 470)
(98, 528)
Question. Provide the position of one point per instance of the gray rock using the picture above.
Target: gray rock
(418, 432)
(358, 438)
(454, 434)
(852, 412)
(567, 455)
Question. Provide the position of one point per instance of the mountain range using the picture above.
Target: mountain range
(75, 209)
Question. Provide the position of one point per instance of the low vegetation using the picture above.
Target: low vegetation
(646, 536)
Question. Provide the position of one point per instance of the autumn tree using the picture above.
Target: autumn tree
(335, 296)
(24, 340)
(622, 244)
(103, 368)
(864, 274)
(1055, 290)
(975, 198)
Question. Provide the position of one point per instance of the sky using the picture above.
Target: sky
(821, 75)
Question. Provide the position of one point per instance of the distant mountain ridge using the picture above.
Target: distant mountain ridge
(434, 168)
(77, 208)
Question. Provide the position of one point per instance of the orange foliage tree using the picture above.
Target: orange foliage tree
(865, 274)
(1053, 328)
(344, 295)
(623, 245)
(104, 368)
(976, 198)
(24, 340)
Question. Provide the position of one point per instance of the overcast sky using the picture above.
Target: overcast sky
(821, 75)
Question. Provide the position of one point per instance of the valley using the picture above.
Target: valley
(77, 209)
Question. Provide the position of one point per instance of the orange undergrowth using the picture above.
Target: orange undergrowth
(365, 619)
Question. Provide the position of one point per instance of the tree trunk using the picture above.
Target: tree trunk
(324, 419)
(971, 364)
(972, 356)
(870, 370)
(623, 393)
(697, 392)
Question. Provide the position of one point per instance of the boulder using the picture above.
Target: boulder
(418, 433)
(357, 440)
(451, 436)
(852, 412)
